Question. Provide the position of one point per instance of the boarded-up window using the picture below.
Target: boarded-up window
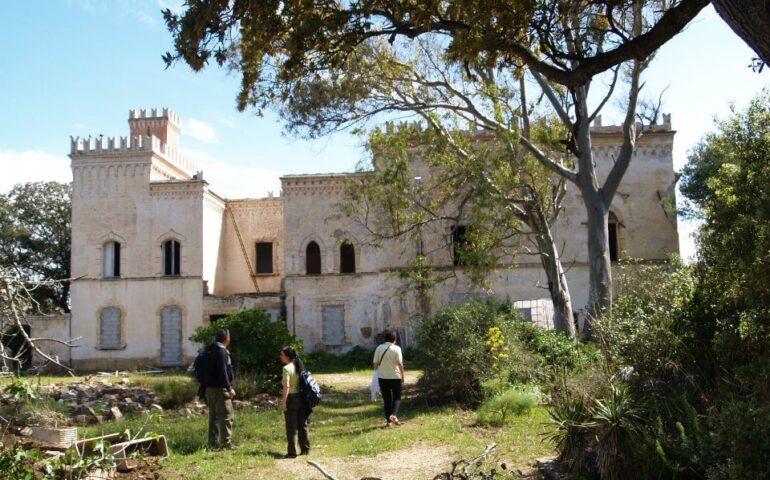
(109, 328)
(171, 257)
(347, 258)
(170, 336)
(313, 259)
(264, 257)
(111, 259)
(333, 319)
(612, 231)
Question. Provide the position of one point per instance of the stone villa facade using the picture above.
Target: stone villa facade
(157, 251)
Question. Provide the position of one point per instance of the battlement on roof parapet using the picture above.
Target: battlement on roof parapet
(100, 146)
(154, 130)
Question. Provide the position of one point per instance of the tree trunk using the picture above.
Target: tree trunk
(750, 21)
(599, 265)
(557, 285)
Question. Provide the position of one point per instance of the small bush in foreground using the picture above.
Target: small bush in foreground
(498, 410)
(16, 463)
(175, 393)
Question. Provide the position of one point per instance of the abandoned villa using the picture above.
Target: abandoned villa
(157, 251)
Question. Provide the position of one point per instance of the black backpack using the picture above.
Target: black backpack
(311, 391)
(202, 365)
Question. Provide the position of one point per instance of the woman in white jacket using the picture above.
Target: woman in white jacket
(389, 362)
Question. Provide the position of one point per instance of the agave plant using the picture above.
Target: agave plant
(615, 427)
(570, 436)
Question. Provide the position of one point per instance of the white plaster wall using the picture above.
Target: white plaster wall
(213, 217)
(140, 302)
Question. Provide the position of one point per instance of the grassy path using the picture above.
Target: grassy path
(348, 437)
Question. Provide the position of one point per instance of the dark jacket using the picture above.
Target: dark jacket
(221, 371)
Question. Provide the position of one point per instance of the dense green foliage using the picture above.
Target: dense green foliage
(357, 358)
(35, 240)
(255, 344)
(687, 349)
(453, 350)
(16, 463)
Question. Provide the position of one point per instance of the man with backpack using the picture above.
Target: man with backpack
(214, 371)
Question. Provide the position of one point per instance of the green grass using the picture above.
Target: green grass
(347, 424)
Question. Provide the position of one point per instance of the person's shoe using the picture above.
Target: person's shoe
(289, 455)
(394, 419)
(305, 452)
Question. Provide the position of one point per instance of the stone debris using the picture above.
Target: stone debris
(115, 414)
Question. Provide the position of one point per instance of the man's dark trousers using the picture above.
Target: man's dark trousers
(220, 417)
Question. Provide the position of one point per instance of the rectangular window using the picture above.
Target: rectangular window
(171, 257)
(264, 257)
(526, 313)
(109, 328)
(111, 260)
(333, 320)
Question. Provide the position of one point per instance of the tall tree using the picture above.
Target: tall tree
(35, 233)
(303, 56)
(464, 199)
(750, 20)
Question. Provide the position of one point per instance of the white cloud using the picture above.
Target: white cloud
(145, 18)
(201, 131)
(32, 166)
(232, 181)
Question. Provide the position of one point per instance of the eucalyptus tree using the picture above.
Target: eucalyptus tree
(303, 59)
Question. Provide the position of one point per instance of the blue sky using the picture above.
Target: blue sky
(75, 67)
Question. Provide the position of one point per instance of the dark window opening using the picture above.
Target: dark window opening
(171, 257)
(313, 259)
(459, 241)
(214, 318)
(264, 257)
(612, 232)
(347, 258)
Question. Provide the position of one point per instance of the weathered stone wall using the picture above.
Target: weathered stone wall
(258, 220)
(139, 195)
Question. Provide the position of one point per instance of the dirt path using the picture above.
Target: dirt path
(421, 461)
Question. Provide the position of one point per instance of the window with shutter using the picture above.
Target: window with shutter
(111, 260)
(333, 320)
(110, 328)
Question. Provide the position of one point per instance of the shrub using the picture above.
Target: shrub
(499, 409)
(453, 351)
(16, 463)
(175, 393)
(357, 358)
(255, 344)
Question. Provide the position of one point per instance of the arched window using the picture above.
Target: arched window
(347, 258)
(313, 259)
(612, 232)
(111, 260)
(110, 328)
(171, 257)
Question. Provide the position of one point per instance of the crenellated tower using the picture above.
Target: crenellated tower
(166, 126)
